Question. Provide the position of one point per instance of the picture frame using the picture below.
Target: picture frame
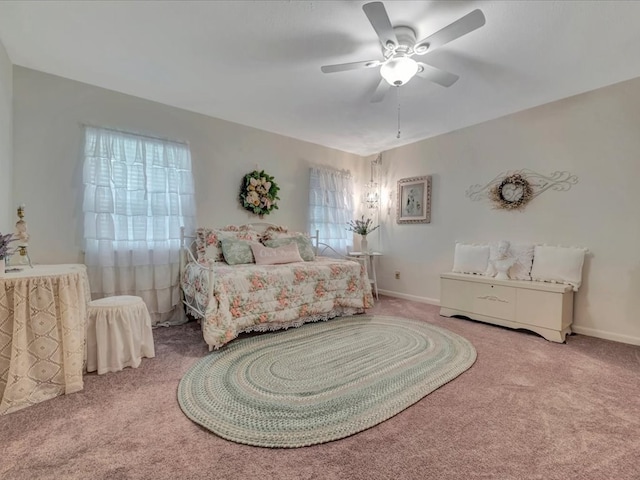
(414, 200)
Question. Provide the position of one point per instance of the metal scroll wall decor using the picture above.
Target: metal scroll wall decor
(512, 190)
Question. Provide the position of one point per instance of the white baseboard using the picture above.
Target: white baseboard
(616, 337)
(414, 298)
(590, 332)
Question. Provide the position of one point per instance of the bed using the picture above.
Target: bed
(230, 294)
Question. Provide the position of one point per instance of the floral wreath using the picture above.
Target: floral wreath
(259, 192)
(515, 179)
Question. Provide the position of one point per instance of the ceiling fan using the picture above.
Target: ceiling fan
(399, 45)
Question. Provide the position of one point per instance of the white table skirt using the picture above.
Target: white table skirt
(118, 334)
(42, 333)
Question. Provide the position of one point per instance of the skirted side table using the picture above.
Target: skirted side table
(118, 333)
(43, 313)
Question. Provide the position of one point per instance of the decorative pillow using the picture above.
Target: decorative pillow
(497, 251)
(470, 258)
(521, 270)
(203, 236)
(208, 240)
(558, 265)
(236, 251)
(274, 231)
(522, 254)
(304, 245)
(272, 256)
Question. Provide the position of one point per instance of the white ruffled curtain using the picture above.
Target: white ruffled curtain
(138, 192)
(331, 206)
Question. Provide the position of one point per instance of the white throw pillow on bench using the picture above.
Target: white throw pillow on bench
(522, 255)
(470, 258)
(558, 265)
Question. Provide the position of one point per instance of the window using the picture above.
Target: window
(138, 192)
(331, 206)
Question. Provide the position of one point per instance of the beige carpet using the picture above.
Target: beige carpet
(527, 409)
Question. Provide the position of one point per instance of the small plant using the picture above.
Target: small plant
(361, 227)
(5, 240)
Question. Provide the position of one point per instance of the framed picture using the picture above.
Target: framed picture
(414, 200)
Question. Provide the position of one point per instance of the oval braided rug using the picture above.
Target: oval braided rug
(322, 381)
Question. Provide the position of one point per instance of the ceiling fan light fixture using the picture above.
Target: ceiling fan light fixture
(398, 70)
(421, 49)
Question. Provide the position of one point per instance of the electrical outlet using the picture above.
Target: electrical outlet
(397, 275)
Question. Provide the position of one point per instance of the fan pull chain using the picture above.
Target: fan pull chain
(398, 97)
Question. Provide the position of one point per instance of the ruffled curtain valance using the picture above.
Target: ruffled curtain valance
(331, 206)
(138, 192)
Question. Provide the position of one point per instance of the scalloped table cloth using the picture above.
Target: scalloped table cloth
(43, 313)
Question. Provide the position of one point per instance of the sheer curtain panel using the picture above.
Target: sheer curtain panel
(138, 192)
(331, 206)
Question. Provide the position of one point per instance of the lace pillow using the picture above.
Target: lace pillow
(236, 251)
(272, 256)
(558, 265)
(470, 258)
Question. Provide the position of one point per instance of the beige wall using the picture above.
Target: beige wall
(48, 116)
(6, 142)
(594, 136)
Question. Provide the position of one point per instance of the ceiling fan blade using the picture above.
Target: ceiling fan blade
(436, 75)
(381, 91)
(377, 15)
(457, 29)
(342, 67)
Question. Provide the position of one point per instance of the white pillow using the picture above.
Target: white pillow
(558, 265)
(521, 270)
(470, 258)
(495, 249)
(522, 254)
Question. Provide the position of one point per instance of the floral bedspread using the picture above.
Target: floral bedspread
(268, 297)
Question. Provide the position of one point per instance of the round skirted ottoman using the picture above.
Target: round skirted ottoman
(118, 333)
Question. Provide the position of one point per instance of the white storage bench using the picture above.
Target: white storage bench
(543, 308)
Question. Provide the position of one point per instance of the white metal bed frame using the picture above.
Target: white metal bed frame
(187, 256)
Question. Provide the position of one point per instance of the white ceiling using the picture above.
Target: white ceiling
(258, 63)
